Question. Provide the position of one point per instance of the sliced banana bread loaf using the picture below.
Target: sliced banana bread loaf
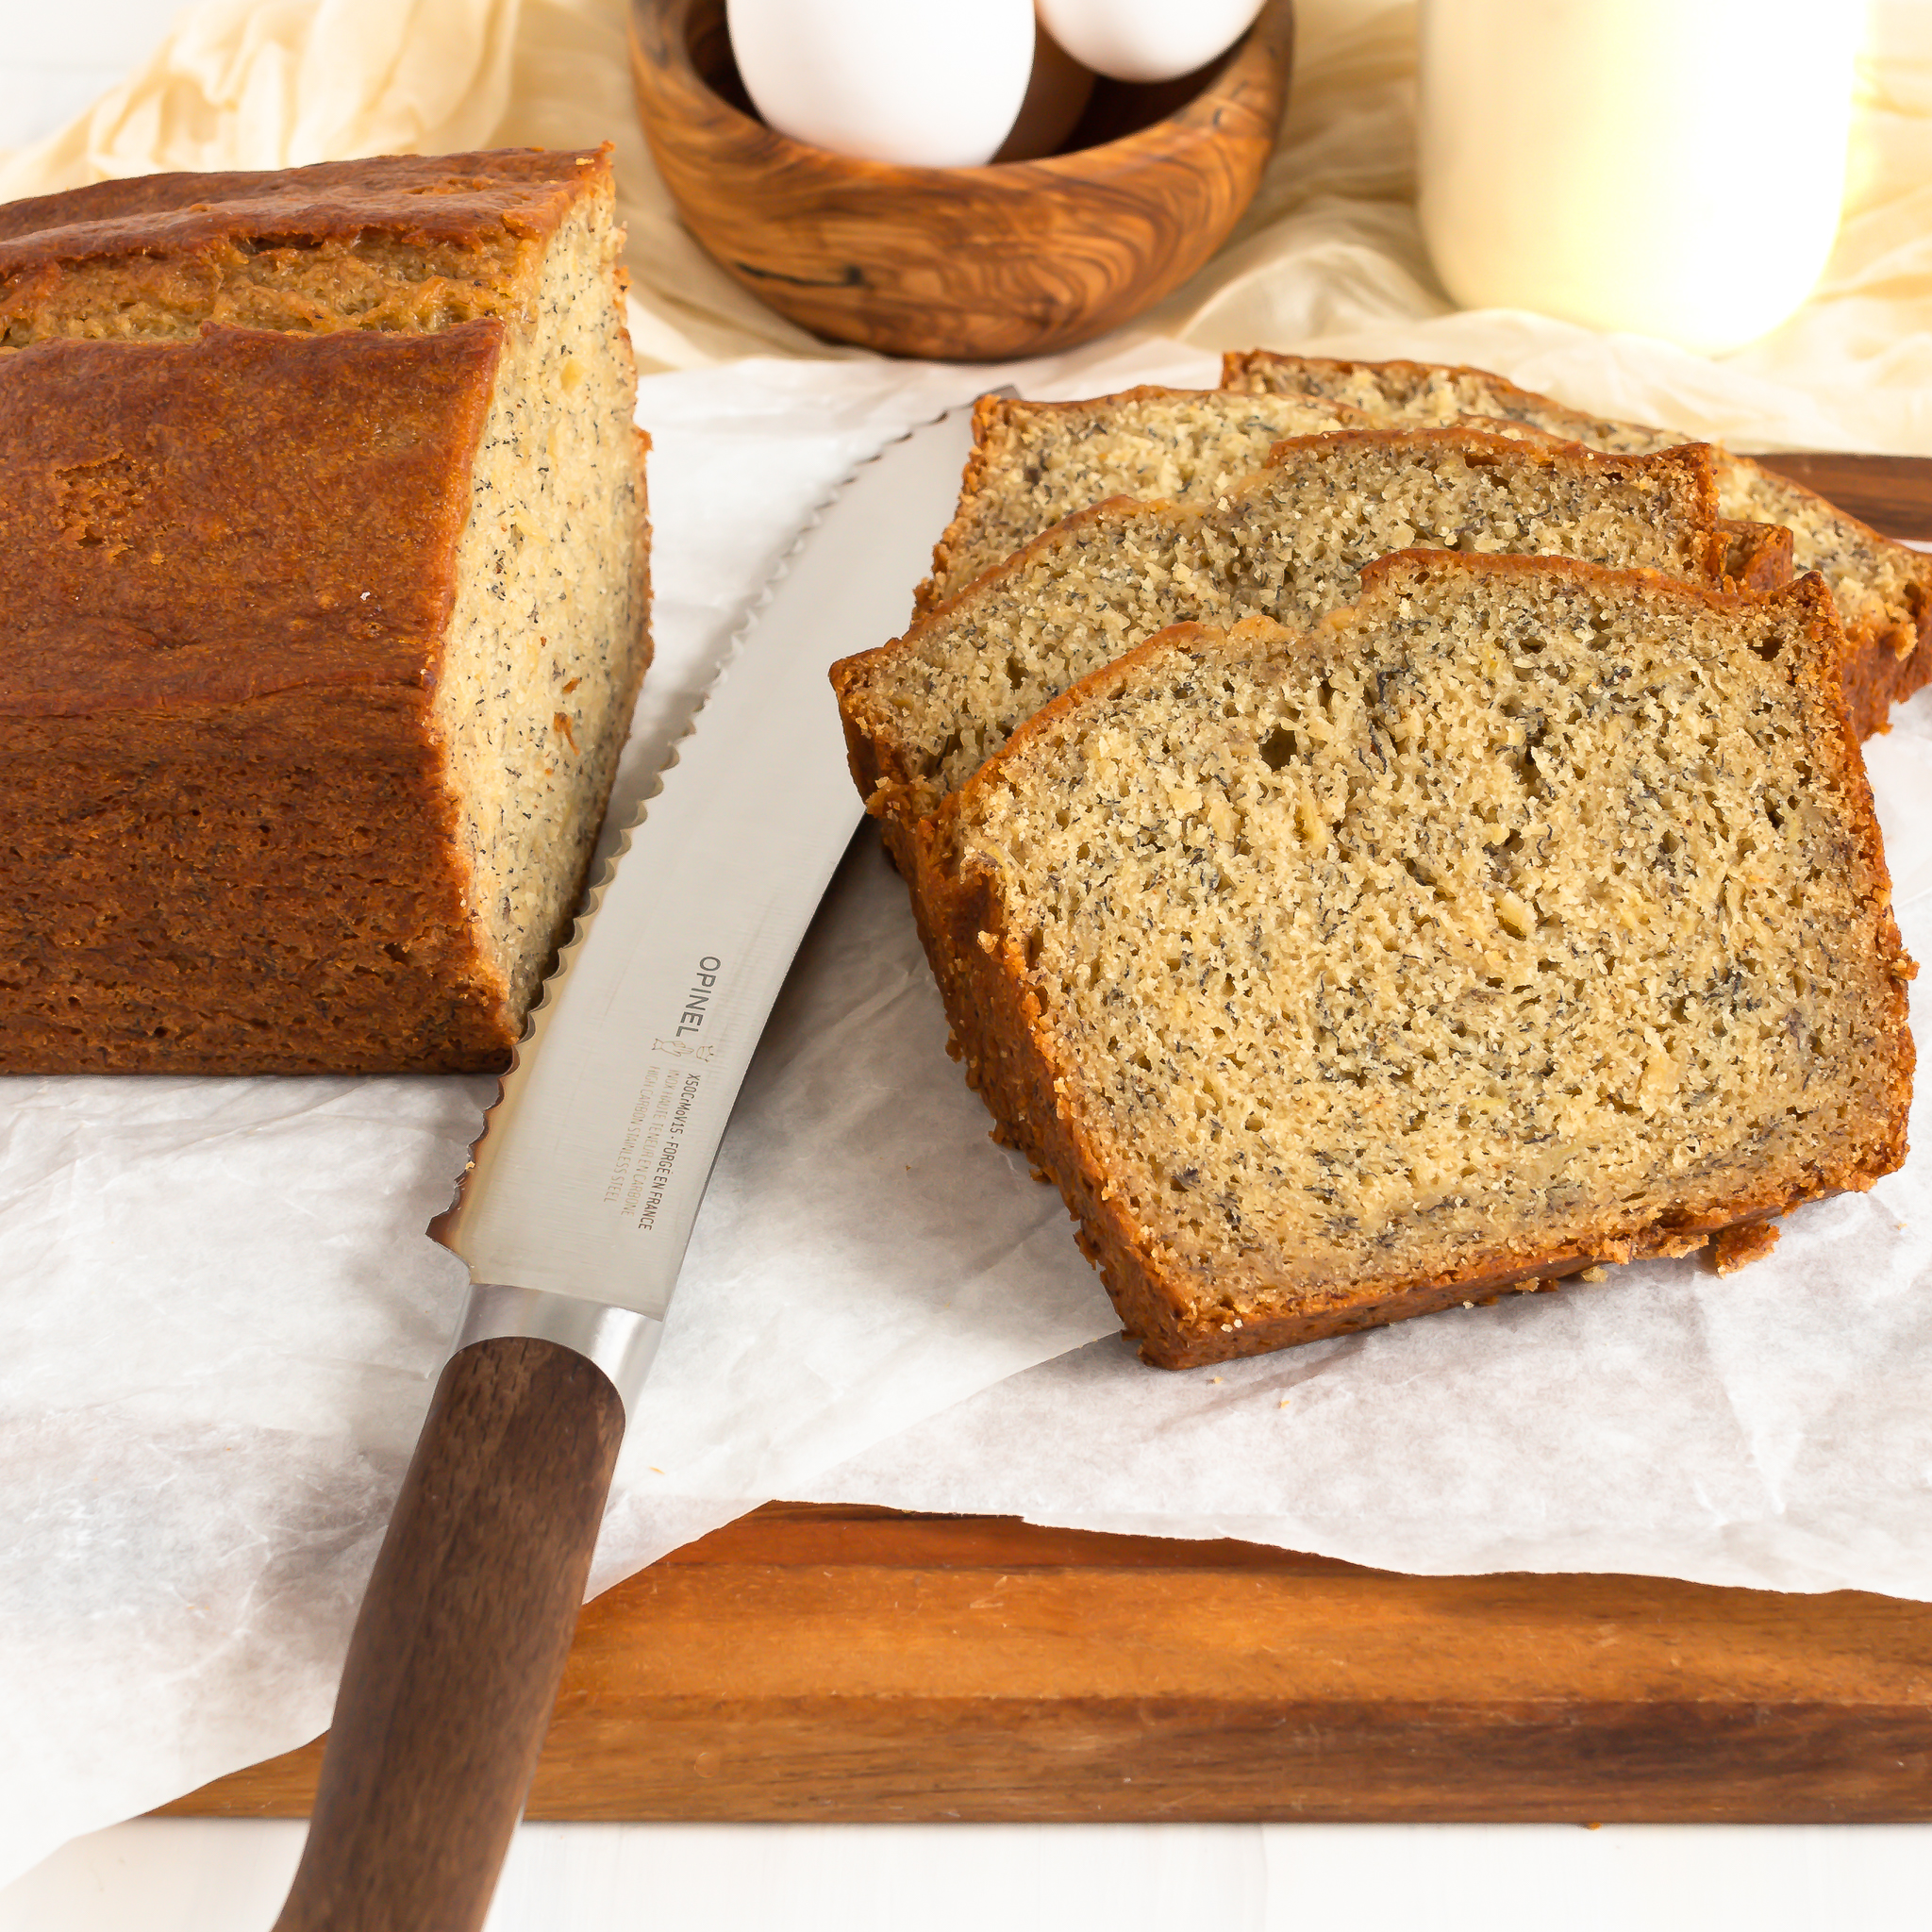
(324, 565)
(922, 712)
(1883, 590)
(1525, 915)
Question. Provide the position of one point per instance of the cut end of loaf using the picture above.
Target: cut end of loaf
(1525, 915)
(548, 638)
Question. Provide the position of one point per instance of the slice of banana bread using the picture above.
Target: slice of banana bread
(1432, 392)
(1033, 463)
(922, 712)
(1883, 590)
(1525, 915)
(326, 568)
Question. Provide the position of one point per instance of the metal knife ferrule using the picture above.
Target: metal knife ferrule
(621, 1342)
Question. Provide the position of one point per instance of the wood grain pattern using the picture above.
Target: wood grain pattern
(463, 1632)
(972, 264)
(848, 1664)
(1891, 493)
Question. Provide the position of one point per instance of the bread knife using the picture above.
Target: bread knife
(574, 1218)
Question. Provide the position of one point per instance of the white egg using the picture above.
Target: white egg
(1147, 40)
(922, 83)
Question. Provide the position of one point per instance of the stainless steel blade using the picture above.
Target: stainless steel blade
(588, 1176)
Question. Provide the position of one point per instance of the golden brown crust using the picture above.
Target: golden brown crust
(1757, 556)
(1740, 1246)
(409, 242)
(1887, 662)
(416, 197)
(1695, 460)
(158, 548)
(197, 897)
(1010, 1055)
(216, 710)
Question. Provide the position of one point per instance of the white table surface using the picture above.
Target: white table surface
(222, 1875)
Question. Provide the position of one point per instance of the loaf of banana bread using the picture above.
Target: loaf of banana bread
(324, 565)
(1521, 916)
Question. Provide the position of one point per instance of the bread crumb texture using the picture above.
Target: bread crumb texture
(1034, 463)
(1524, 917)
(1882, 589)
(534, 696)
(925, 712)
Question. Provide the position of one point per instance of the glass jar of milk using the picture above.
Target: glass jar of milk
(1670, 168)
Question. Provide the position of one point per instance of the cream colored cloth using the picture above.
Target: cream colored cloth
(1328, 259)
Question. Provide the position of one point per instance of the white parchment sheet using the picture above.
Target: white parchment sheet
(220, 1321)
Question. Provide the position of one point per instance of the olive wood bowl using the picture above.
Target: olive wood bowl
(961, 264)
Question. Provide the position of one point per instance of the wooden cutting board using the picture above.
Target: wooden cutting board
(850, 1664)
(842, 1664)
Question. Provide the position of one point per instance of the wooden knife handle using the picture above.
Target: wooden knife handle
(454, 1664)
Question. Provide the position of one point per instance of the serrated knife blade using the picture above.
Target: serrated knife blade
(573, 1221)
(588, 1174)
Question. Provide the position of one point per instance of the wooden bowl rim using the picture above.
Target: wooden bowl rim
(1250, 61)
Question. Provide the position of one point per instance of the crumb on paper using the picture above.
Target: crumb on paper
(1594, 1274)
